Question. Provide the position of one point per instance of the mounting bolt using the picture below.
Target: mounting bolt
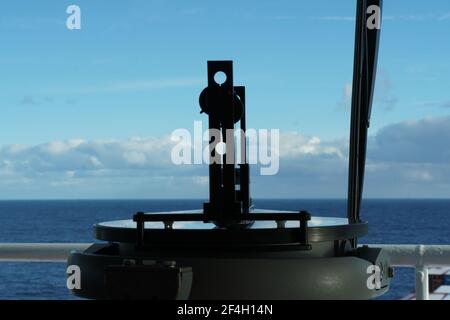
(168, 225)
(281, 224)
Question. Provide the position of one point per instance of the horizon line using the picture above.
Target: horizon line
(206, 199)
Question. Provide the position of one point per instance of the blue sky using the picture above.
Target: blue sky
(135, 70)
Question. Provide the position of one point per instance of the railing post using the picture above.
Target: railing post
(422, 290)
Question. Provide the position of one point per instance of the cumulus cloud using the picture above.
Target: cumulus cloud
(137, 167)
(81, 155)
(423, 141)
(407, 159)
(294, 145)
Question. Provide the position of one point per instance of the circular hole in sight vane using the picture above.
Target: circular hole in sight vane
(221, 148)
(220, 77)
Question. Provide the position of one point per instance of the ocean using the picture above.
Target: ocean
(390, 221)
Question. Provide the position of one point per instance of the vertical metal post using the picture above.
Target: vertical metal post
(364, 74)
(422, 289)
(356, 113)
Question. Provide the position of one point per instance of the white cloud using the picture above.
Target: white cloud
(407, 159)
(95, 162)
(422, 141)
(80, 155)
(60, 147)
(296, 145)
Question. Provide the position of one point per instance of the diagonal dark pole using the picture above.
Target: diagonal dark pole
(364, 75)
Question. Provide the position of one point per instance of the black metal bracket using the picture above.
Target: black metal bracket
(225, 106)
(168, 219)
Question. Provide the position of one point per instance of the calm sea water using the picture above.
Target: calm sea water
(391, 221)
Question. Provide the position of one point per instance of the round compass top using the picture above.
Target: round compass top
(260, 232)
(198, 225)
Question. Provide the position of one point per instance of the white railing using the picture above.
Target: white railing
(38, 252)
(420, 257)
